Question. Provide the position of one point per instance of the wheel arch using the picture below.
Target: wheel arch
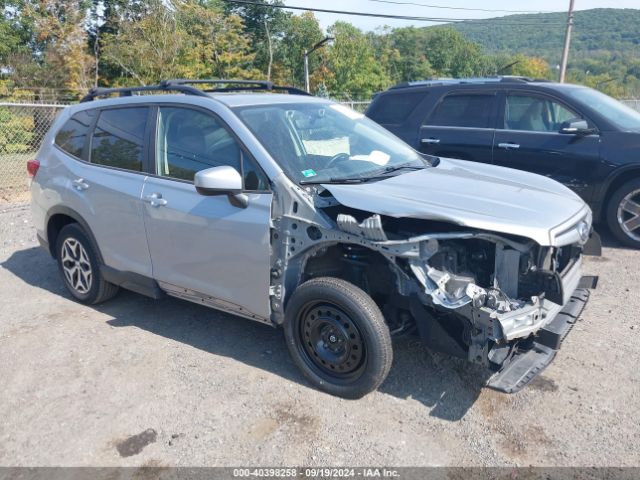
(618, 178)
(60, 216)
(329, 259)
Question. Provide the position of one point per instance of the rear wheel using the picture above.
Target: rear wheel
(80, 268)
(623, 213)
(337, 336)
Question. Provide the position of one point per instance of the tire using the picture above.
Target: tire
(79, 267)
(623, 212)
(337, 337)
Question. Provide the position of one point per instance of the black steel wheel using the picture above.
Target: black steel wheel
(337, 336)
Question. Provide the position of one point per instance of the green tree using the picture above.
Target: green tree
(55, 54)
(216, 45)
(522, 65)
(354, 69)
(452, 55)
(266, 27)
(411, 62)
(142, 49)
(203, 43)
(302, 32)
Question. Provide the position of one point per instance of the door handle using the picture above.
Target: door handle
(508, 146)
(79, 184)
(155, 200)
(430, 141)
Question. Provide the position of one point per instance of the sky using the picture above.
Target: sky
(370, 6)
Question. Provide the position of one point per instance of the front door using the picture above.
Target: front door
(461, 126)
(205, 246)
(529, 139)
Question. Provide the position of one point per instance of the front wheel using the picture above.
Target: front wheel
(338, 338)
(623, 213)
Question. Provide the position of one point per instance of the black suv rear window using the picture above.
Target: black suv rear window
(393, 109)
(72, 136)
(118, 139)
(472, 111)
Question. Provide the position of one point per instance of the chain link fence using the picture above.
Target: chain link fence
(633, 103)
(22, 128)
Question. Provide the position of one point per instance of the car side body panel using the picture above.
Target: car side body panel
(208, 245)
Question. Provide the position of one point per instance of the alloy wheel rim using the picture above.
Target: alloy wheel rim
(629, 215)
(331, 341)
(76, 265)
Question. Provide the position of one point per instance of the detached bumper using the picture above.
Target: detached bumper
(525, 365)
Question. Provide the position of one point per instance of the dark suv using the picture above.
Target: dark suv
(573, 134)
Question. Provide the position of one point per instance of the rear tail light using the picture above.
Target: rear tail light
(32, 167)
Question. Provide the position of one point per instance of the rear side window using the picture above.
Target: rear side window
(72, 137)
(118, 140)
(393, 109)
(472, 111)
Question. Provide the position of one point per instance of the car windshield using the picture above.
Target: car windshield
(623, 117)
(328, 142)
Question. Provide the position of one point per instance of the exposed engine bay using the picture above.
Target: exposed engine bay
(474, 294)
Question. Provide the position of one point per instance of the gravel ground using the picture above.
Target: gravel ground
(162, 383)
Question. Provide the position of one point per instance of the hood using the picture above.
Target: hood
(474, 195)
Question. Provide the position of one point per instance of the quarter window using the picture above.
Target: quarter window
(394, 109)
(118, 139)
(535, 114)
(72, 136)
(189, 141)
(471, 111)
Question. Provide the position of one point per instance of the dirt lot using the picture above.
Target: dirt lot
(143, 382)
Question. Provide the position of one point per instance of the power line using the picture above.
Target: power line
(381, 15)
(460, 8)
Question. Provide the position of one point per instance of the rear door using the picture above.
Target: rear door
(105, 175)
(461, 126)
(529, 139)
(205, 247)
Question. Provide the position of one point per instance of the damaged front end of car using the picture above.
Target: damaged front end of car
(499, 300)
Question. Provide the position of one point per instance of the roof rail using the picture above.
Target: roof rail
(183, 85)
(97, 92)
(243, 85)
(462, 81)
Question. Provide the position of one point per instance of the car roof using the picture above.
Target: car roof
(231, 100)
(247, 99)
(500, 82)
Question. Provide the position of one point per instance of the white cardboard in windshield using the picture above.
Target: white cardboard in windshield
(376, 156)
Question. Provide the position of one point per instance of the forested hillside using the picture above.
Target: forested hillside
(610, 30)
(605, 46)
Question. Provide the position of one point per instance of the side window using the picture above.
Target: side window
(73, 135)
(188, 141)
(472, 111)
(393, 109)
(118, 139)
(535, 114)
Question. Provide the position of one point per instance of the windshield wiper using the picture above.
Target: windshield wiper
(335, 180)
(384, 172)
(375, 175)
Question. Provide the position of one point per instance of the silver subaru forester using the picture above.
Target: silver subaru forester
(299, 212)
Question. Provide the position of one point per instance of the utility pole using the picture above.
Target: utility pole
(307, 87)
(567, 43)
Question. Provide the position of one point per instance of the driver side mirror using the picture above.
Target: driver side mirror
(223, 180)
(576, 126)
